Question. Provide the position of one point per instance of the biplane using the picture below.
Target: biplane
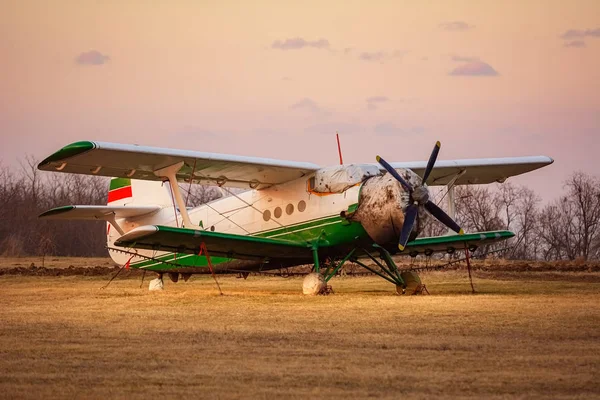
(291, 213)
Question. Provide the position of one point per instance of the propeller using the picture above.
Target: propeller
(419, 196)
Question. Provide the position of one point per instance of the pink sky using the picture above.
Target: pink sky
(277, 78)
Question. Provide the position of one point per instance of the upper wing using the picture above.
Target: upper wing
(476, 171)
(181, 240)
(451, 243)
(97, 212)
(140, 162)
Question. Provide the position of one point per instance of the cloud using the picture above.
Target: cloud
(581, 33)
(299, 43)
(309, 105)
(374, 101)
(455, 26)
(372, 56)
(575, 43)
(474, 68)
(381, 56)
(92, 57)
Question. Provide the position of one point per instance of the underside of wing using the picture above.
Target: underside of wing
(476, 171)
(452, 243)
(141, 162)
(98, 212)
(181, 240)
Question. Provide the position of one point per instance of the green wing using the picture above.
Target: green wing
(181, 240)
(452, 243)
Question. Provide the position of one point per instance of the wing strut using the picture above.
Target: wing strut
(111, 218)
(451, 199)
(170, 173)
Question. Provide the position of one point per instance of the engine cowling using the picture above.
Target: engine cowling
(382, 205)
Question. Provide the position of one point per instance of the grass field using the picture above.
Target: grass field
(66, 337)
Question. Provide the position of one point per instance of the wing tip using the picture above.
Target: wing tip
(68, 151)
(55, 211)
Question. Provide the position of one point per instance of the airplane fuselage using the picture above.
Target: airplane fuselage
(288, 212)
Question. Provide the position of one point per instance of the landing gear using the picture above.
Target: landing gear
(314, 284)
(413, 284)
(406, 282)
(157, 283)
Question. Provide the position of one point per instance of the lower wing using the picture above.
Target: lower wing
(451, 243)
(182, 240)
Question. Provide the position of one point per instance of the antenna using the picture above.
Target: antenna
(337, 136)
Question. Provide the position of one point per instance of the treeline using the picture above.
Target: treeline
(567, 228)
(27, 192)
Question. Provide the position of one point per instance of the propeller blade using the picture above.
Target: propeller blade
(409, 221)
(431, 162)
(443, 217)
(395, 174)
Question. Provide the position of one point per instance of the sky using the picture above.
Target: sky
(277, 79)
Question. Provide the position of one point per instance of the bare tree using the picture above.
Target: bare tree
(569, 227)
(196, 195)
(526, 243)
(477, 209)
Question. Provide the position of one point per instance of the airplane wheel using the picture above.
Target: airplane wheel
(156, 284)
(412, 281)
(313, 284)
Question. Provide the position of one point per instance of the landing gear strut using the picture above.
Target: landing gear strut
(406, 282)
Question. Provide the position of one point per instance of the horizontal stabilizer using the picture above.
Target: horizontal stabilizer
(182, 240)
(98, 212)
(451, 243)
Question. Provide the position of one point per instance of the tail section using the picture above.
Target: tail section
(134, 194)
(131, 203)
(125, 191)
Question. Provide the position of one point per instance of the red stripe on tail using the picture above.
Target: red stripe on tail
(118, 194)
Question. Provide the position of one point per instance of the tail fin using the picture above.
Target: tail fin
(125, 191)
(133, 194)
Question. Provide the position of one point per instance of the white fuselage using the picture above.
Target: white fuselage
(249, 213)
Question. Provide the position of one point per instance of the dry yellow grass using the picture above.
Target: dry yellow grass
(54, 262)
(64, 337)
